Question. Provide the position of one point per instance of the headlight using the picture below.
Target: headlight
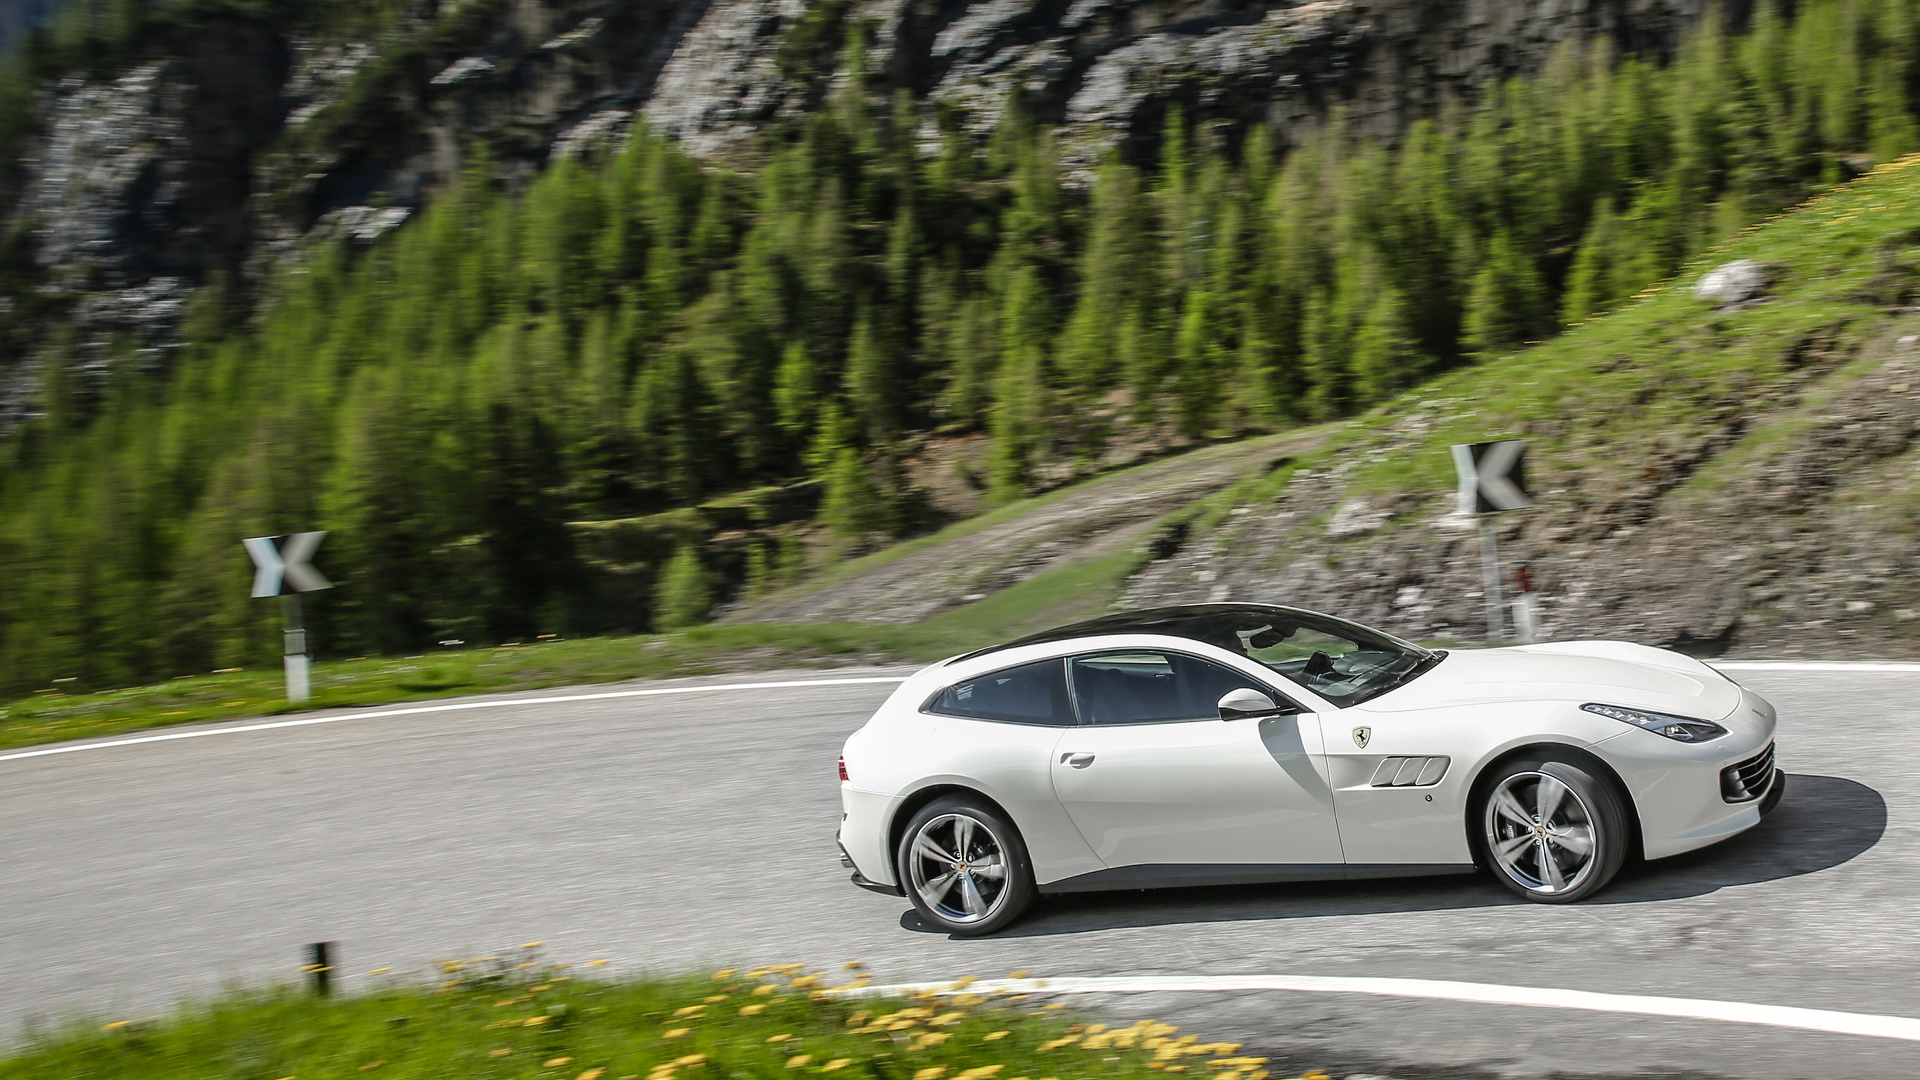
(1677, 728)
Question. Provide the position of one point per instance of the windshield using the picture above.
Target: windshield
(1344, 662)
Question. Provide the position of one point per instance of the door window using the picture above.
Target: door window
(1028, 694)
(1152, 687)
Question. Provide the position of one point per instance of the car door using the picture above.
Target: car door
(1152, 775)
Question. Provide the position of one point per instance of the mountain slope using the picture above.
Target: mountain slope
(1727, 479)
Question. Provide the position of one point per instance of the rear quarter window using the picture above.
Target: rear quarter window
(1028, 694)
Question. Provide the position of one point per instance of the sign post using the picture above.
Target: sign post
(1493, 478)
(283, 567)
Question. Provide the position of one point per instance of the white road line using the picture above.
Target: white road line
(201, 733)
(1814, 665)
(1735, 1012)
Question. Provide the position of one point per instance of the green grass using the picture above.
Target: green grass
(493, 1019)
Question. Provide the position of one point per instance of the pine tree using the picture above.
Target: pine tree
(683, 597)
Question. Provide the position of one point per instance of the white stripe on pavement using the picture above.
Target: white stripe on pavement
(201, 733)
(1814, 665)
(1736, 1012)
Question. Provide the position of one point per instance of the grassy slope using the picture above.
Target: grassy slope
(1660, 375)
(493, 1020)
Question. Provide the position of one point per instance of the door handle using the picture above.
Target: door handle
(1078, 761)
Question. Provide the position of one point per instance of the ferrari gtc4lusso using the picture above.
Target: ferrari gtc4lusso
(1223, 744)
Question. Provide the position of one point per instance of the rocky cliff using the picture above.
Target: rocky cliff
(213, 150)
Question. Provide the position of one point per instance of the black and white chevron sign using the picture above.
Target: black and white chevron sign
(285, 561)
(1493, 476)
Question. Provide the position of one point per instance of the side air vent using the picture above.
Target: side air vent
(1410, 771)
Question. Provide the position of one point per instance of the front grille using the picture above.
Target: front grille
(1747, 780)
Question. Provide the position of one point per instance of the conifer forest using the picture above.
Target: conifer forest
(471, 403)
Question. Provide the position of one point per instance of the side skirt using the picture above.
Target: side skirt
(1189, 875)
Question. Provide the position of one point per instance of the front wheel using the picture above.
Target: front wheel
(1551, 831)
(965, 867)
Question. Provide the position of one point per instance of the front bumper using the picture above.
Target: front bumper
(1681, 792)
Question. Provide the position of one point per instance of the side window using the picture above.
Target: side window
(1148, 687)
(1028, 694)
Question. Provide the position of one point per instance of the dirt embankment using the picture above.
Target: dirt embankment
(1785, 526)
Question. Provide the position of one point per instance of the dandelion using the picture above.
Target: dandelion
(934, 1073)
(782, 1037)
(590, 1074)
(691, 1010)
(535, 1021)
(981, 1073)
(502, 1052)
(691, 1060)
(858, 1018)
(115, 1026)
(723, 973)
(948, 1018)
(674, 1033)
(763, 990)
(836, 1064)
(798, 1060)
(994, 1036)
(554, 1063)
(964, 981)
(752, 1010)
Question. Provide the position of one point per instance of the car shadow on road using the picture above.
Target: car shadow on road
(1822, 822)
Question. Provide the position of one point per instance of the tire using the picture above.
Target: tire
(1543, 861)
(964, 866)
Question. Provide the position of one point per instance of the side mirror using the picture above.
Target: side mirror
(1246, 702)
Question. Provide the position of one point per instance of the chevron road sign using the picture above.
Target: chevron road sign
(283, 567)
(1493, 476)
(285, 561)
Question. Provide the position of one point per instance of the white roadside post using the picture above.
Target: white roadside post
(1492, 478)
(283, 567)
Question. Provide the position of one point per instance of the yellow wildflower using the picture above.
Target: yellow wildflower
(691, 1010)
(590, 1074)
(782, 1037)
(691, 1060)
(994, 1035)
(934, 1073)
(763, 990)
(723, 973)
(674, 1033)
(502, 1052)
(752, 1010)
(858, 1018)
(554, 1063)
(535, 1021)
(798, 1060)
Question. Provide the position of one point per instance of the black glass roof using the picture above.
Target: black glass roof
(1214, 624)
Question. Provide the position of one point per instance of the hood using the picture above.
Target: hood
(1608, 672)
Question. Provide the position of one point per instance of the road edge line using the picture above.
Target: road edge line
(1737, 1012)
(201, 733)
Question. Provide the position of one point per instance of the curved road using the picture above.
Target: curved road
(679, 830)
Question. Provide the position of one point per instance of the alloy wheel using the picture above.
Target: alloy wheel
(958, 867)
(1540, 832)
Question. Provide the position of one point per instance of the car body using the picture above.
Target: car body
(1358, 755)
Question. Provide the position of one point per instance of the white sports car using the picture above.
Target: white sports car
(1226, 744)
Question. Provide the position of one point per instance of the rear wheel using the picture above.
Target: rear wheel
(965, 867)
(1551, 830)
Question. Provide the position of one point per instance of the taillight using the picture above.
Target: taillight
(843, 768)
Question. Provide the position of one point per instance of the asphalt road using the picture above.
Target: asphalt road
(681, 831)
